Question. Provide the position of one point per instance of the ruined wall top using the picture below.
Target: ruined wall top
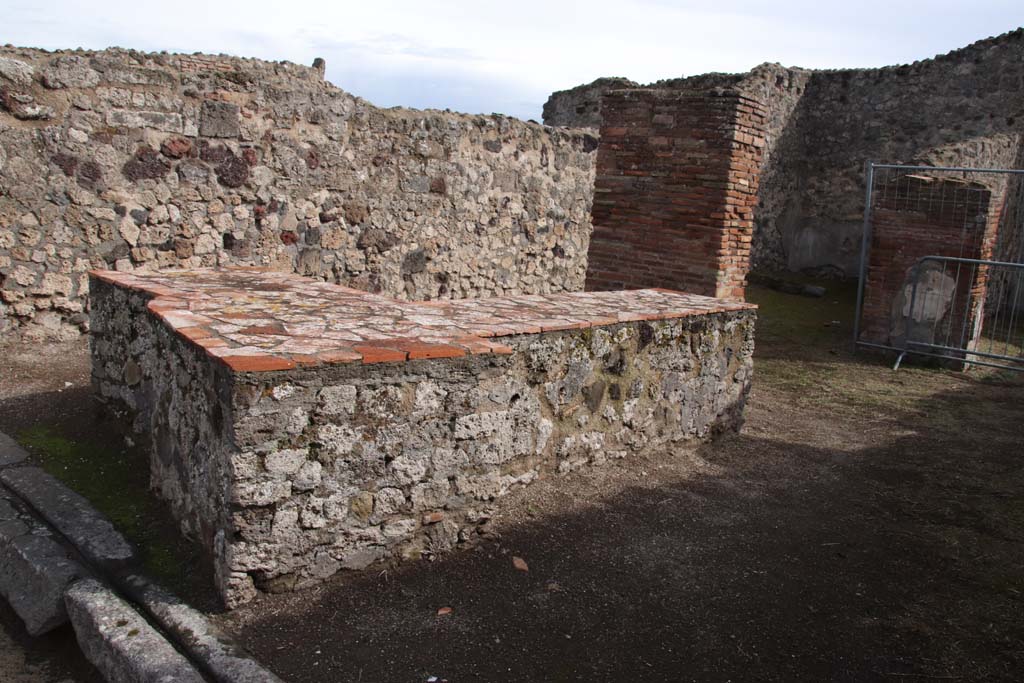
(581, 106)
(561, 104)
(962, 108)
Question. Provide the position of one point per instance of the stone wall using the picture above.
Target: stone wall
(675, 191)
(287, 477)
(119, 159)
(965, 108)
(581, 106)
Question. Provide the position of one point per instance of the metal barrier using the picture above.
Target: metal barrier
(986, 330)
(942, 264)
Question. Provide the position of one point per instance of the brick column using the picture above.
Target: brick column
(677, 175)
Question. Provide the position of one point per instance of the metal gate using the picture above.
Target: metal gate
(942, 264)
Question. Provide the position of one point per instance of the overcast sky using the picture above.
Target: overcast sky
(507, 56)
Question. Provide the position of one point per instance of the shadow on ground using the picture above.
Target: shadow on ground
(785, 562)
(52, 657)
(866, 525)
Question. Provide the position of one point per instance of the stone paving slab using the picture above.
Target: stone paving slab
(72, 515)
(10, 452)
(255, 319)
(34, 570)
(119, 642)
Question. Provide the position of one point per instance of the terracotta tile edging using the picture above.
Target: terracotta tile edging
(191, 308)
(258, 363)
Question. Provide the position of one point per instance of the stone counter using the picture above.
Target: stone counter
(298, 428)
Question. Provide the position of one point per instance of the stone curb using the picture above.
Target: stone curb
(72, 515)
(119, 642)
(34, 570)
(10, 452)
(210, 646)
(38, 576)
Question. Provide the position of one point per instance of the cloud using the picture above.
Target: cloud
(496, 56)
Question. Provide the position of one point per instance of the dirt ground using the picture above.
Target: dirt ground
(865, 525)
(53, 658)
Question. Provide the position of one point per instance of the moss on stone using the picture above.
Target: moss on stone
(116, 482)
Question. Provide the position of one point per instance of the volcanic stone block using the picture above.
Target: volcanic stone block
(10, 452)
(34, 571)
(17, 72)
(72, 515)
(219, 119)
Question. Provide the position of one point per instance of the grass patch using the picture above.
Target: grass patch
(791, 319)
(804, 349)
(116, 482)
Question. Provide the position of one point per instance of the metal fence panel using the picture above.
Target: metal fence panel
(942, 264)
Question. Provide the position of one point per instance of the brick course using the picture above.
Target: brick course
(677, 176)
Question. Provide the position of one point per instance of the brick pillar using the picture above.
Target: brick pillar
(920, 215)
(677, 174)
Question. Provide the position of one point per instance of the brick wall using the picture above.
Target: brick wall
(675, 190)
(915, 216)
(958, 109)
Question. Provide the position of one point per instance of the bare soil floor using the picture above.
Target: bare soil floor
(865, 525)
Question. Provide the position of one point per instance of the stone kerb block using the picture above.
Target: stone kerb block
(119, 642)
(34, 570)
(10, 452)
(72, 515)
(300, 428)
